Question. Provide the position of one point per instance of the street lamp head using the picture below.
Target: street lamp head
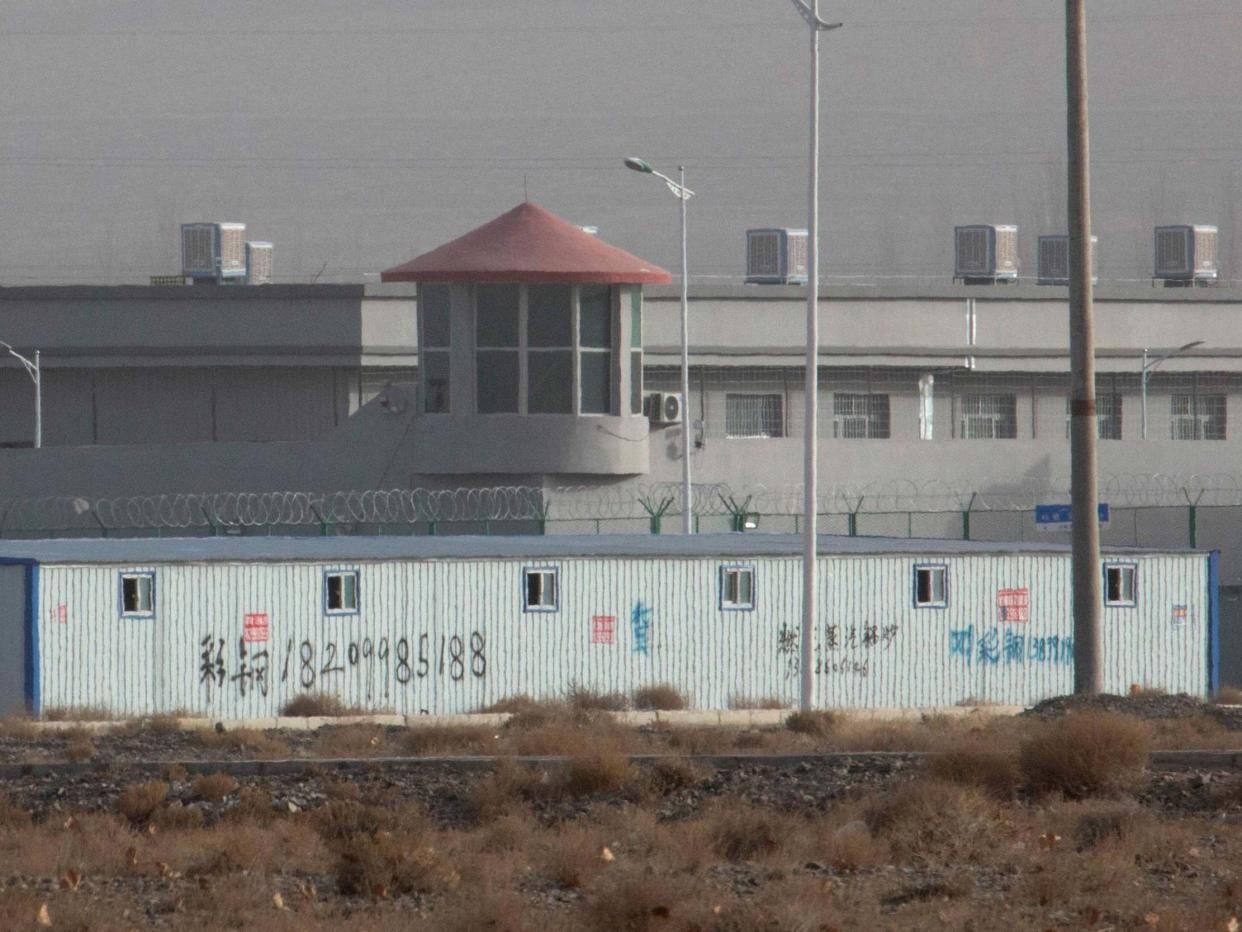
(1182, 349)
(638, 165)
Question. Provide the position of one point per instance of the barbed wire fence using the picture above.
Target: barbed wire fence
(1146, 510)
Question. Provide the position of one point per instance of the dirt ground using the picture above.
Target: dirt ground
(1047, 821)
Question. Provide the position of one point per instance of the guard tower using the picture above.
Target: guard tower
(530, 351)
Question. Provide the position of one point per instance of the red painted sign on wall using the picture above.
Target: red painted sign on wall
(1013, 605)
(255, 629)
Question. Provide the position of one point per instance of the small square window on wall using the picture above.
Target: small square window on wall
(340, 592)
(137, 595)
(1121, 584)
(540, 589)
(737, 588)
(931, 586)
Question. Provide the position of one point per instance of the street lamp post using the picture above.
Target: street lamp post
(683, 194)
(810, 482)
(1146, 370)
(36, 375)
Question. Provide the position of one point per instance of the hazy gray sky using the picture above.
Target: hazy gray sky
(360, 133)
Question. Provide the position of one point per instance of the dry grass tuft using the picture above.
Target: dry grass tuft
(80, 747)
(639, 900)
(930, 820)
(78, 713)
(11, 816)
(350, 740)
(972, 763)
(1228, 695)
(435, 741)
(662, 697)
(583, 699)
(672, 774)
(511, 705)
(816, 724)
(501, 791)
(601, 770)
(213, 787)
(139, 800)
(18, 728)
(254, 805)
(385, 865)
(316, 705)
(245, 741)
(745, 703)
(851, 847)
(742, 832)
(1085, 754)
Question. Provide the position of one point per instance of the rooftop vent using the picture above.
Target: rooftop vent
(1185, 255)
(258, 262)
(985, 255)
(213, 252)
(1054, 261)
(776, 257)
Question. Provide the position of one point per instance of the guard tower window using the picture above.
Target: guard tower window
(931, 586)
(434, 339)
(1121, 584)
(137, 595)
(341, 593)
(540, 589)
(595, 348)
(549, 346)
(498, 355)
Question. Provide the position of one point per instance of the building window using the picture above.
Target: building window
(1121, 584)
(340, 592)
(1107, 416)
(595, 348)
(857, 416)
(989, 417)
(737, 588)
(540, 591)
(754, 415)
(434, 340)
(1197, 417)
(931, 586)
(137, 595)
(636, 350)
(543, 349)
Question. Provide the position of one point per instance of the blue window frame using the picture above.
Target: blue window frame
(931, 585)
(340, 592)
(136, 594)
(1121, 585)
(541, 589)
(737, 587)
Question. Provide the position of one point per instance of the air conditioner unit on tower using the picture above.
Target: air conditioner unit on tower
(664, 408)
(985, 254)
(776, 257)
(1185, 255)
(1054, 260)
(213, 252)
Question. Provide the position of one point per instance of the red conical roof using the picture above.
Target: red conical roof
(528, 244)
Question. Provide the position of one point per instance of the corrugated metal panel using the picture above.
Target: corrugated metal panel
(450, 635)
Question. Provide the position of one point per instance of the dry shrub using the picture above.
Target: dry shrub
(343, 819)
(12, 816)
(1194, 732)
(564, 731)
(386, 864)
(741, 832)
(752, 739)
(18, 728)
(139, 800)
(78, 713)
(816, 724)
(1228, 695)
(316, 705)
(496, 794)
(749, 703)
(511, 705)
(583, 699)
(213, 787)
(177, 816)
(1099, 822)
(254, 804)
(342, 789)
(697, 739)
(933, 821)
(166, 723)
(637, 900)
(80, 748)
(930, 733)
(499, 911)
(601, 770)
(509, 833)
(971, 763)
(672, 774)
(663, 697)
(1085, 754)
(436, 741)
(249, 741)
(571, 857)
(851, 847)
(350, 740)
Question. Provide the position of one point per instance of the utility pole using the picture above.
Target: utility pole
(1084, 493)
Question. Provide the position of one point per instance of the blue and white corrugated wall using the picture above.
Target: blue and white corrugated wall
(450, 636)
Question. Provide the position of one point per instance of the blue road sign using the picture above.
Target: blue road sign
(1059, 517)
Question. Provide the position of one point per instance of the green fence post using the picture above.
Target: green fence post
(966, 516)
(1192, 517)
